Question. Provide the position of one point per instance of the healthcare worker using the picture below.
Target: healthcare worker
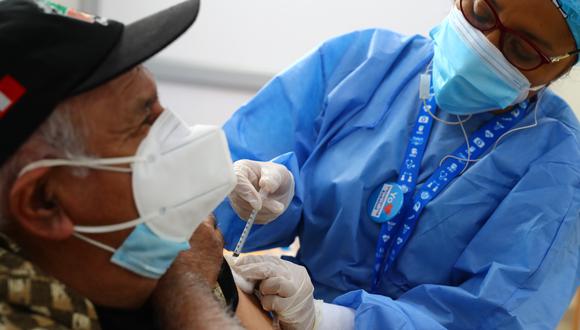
(463, 126)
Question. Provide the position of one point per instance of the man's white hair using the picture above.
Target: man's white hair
(57, 137)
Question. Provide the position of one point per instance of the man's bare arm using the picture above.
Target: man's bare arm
(183, 300)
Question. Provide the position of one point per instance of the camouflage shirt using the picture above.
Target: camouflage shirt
(29, 299)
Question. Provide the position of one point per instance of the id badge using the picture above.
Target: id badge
(385, 202)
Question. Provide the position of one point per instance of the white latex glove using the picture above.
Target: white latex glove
(243, 284)
(275, 182)
(285, 289)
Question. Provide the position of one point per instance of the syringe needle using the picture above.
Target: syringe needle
(245, 233)
(247, 229)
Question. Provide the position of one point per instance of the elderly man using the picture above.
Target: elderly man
(100, 188)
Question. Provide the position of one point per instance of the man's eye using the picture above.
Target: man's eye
(149, 113)
(152, 114)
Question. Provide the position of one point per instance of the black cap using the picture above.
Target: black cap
(49, 52)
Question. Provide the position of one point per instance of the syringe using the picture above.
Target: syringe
(247, 228)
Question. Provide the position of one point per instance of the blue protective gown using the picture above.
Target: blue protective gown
(498, 249)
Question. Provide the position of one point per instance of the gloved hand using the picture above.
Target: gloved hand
(285, 289)
(242, 283)
(275, 182)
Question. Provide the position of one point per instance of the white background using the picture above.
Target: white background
(262, 37)
(267, 35)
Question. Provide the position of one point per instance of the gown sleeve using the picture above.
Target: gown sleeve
(519, 272)
(281, 124)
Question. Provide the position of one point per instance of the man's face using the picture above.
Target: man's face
(115, 117)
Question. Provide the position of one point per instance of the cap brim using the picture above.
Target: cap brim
(141, 40)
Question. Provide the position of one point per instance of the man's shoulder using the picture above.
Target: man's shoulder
(31, 299)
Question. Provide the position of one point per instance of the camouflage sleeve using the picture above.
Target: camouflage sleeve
(30, 299)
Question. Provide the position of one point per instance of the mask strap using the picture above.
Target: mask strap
(99, 164)
(119, 226)
(94, 242)
(79, 230)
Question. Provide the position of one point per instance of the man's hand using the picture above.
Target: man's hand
(183, 298)
(275, 182)
(206, 254)
(285, 287)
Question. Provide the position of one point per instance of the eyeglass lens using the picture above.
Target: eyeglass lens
(518, 50)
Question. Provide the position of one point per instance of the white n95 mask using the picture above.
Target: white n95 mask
(180, 175)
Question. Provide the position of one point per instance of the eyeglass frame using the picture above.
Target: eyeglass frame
(545, 59)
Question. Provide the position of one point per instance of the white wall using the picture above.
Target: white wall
(264, 36)
(267, 35)
(201, 104)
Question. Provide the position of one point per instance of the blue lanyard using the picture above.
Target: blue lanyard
(396, 233)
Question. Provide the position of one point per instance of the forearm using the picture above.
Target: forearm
(183, 298)
(186, 302)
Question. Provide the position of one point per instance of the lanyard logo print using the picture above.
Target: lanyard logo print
(397, 231)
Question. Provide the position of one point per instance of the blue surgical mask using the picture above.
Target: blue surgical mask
(179, 175)
(470, 75)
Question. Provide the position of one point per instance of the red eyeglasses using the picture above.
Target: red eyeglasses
(517, 48)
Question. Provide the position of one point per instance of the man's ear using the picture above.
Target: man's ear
(35, 210)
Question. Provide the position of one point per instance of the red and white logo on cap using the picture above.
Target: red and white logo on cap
(10, 92)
